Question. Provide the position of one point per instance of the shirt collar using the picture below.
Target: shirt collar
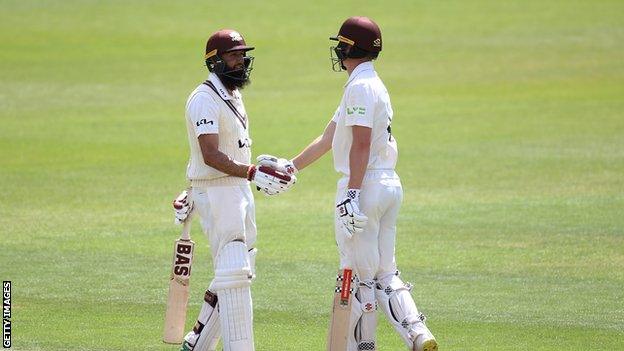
(225, 94)
(362, 67)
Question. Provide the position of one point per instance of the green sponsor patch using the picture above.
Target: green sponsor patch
(356, 110)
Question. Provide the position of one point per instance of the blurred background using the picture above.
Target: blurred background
(509, 117)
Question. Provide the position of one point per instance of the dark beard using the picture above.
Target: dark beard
(233, 80)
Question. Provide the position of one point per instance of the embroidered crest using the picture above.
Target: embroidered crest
(236, 36)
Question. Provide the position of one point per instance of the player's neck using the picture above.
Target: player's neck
(351, 64)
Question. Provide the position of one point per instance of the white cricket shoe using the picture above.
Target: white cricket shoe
(425, 344)
(424, 339)
(189, 341)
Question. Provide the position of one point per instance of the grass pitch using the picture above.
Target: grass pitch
(510, 121)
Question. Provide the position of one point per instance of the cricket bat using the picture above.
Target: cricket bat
(175, 316)
(341, 311)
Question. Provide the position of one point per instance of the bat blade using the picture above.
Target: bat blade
(175, 315)
(341, 312)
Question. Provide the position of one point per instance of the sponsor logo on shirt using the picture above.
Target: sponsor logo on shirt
(244, 143)
(356, 110)
(204, 121)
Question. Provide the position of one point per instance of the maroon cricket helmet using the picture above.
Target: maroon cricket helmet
(361, 32)
(225, 40)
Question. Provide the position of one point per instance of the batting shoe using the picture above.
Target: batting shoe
(423, 344)
(189, 341)
(424, 339)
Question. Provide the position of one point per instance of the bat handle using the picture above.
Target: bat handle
(186, 227)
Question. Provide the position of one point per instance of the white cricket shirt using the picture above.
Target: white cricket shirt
(365, 102)
(210, 112)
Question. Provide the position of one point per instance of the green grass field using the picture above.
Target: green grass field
(510, 121)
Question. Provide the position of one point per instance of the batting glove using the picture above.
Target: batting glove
(270, 181)
(182, 207)
(281, 164)
(349, 214)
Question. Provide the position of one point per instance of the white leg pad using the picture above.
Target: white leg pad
(208, 326)
(354, 320)
(232, 267)
(365, 328)
(232, 282)
(397, 303)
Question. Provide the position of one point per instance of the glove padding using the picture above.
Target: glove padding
(271, 181)
(349, 214)
(182, 207)
(281, 164)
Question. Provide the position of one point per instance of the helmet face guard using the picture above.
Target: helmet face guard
(344, 51)
(337, 54)
(217, 65)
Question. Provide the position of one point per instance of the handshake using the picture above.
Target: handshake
(275, 175)
(272, 175)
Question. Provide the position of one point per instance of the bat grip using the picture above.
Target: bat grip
(186, 227)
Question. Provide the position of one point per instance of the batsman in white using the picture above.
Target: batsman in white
(369, 193)
(220, 173)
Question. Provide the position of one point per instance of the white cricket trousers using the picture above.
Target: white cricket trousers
(227, 214)
(371, 252)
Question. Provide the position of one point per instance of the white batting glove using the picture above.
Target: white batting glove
(270, 181)
(281, 164)
(182, 207)
(349, 214)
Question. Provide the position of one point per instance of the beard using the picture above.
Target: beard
(236, 79)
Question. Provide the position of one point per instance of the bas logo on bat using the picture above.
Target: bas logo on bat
(184, 255)
(180, 279)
